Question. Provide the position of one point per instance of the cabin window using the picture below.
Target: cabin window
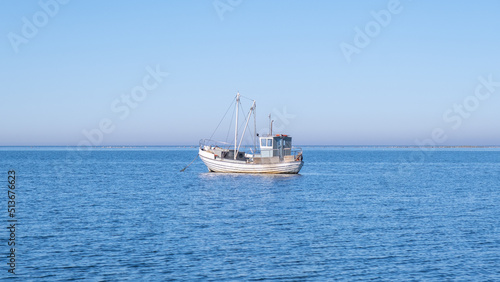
(269, 142)
(288, 143)
(266, 142)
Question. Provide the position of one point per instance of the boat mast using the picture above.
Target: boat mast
(236, 125)
(254, 127)
(246, 124)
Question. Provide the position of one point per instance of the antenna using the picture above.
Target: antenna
(270, 125)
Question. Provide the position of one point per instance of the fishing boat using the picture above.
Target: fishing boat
(270, 153)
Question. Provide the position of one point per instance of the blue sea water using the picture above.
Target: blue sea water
(351, 213)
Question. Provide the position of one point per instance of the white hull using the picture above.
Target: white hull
(232, 166)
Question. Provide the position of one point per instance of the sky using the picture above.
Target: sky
(330, 72)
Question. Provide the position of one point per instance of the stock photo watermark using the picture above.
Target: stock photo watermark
(471, 103)
(455, 115)
(280, 121)
(223, 6)
(122, 106)
(364, 36)
(32, 25)
(283, 119)
(454, 118)
(11, 221)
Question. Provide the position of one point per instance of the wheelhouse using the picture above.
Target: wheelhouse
(279, 145)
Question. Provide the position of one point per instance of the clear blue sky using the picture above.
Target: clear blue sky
(416, 67)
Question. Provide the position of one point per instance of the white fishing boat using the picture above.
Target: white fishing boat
(269, 153)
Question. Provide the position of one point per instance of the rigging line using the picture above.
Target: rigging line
(244, 118)
(246, 135)
(246, 98)
(222, 119)
(242, 111)
(230, 123)
(248, 128)
(251, 133)
(189, 163)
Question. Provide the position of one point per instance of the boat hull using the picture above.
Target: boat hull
(230, 166)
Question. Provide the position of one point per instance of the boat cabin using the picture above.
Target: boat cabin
(279, 145)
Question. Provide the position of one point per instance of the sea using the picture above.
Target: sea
(353, 213)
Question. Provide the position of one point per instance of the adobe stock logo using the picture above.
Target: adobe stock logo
(363, 37)
(471, 103)
(281, 121)
(454, 117)
(30, 27)
(123, 106)
(223, 6)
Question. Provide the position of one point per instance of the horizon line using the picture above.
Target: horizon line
(194, 146)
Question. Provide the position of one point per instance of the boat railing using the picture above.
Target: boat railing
(214, 143)
(210, 145)
(225, 146)
(294, 151)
